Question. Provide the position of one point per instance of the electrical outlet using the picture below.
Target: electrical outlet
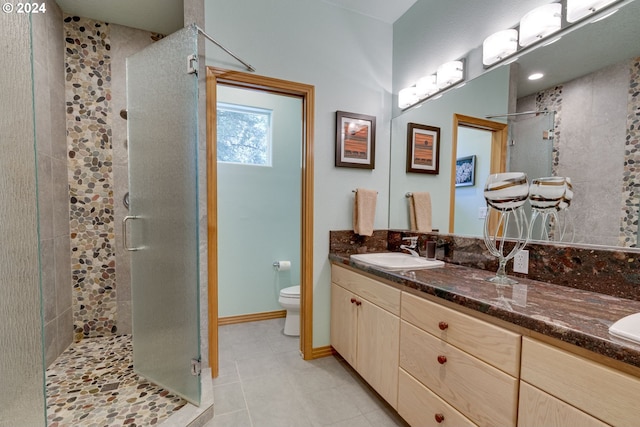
(482, 212)
(521, 262)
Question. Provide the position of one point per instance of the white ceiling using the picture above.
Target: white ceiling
(385, 10)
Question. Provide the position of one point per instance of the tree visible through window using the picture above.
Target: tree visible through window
(244, 134)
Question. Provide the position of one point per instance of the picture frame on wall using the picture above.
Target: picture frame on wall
(466, 171)
(355, 140)
(423, 149)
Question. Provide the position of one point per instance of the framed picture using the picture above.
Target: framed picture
(423, 149)
(355, 140)
(466, 171)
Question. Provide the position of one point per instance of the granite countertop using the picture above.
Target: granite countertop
(575, 316)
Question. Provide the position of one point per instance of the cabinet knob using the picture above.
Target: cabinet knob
(439, 418)
(358, 302)
(442, 359)
(353, 300)
(443, 325)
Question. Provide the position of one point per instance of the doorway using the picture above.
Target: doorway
(495, 136)
(305, 94)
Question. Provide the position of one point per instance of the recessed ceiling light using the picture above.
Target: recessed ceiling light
(536, 76)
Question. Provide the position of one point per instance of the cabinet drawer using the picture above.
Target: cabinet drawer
(538, 408)
(484, 394)
(603, 392)
(382, 295)
(419, 406)
(492, 344)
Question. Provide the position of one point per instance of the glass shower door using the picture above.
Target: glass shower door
(162, 226)
(532, 153)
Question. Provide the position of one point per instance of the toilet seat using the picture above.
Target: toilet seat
(290, 292)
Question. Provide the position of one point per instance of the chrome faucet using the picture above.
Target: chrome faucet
(412, 247)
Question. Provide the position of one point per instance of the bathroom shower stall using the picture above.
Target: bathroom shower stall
(43, 267)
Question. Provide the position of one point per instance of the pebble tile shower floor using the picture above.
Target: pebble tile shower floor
(92, 384)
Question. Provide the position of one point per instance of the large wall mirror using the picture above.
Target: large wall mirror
(591, 89)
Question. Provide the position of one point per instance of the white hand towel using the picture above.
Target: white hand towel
(364, 211)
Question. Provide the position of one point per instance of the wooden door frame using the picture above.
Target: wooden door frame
(499, 134)
(307, 95)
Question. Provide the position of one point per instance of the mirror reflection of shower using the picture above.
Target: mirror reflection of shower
(532, 150)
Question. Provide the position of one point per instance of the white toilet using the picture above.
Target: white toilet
(290, 301)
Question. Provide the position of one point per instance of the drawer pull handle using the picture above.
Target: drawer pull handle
(443, 325)
(442, 359)
(439, 418)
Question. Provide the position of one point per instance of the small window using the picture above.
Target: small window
(244, 135)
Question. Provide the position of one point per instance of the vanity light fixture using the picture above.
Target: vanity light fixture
(539, 23)
(578, 9)
(407, 97)
(426, 86)
(499, 45)
(449, 74)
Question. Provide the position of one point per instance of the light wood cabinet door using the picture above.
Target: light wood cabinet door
(538, 408)
(344, 318)
(377, 350)
(420, 407)
(603, 392)
(484, 394)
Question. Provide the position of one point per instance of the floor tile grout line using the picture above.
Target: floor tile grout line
(244, 396)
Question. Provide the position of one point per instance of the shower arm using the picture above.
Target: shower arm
(212, 40)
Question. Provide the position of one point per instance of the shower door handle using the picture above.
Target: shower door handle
(124, 232)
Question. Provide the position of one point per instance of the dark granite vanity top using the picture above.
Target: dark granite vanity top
(575, 316)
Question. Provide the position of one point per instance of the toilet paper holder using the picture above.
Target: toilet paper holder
(281, 265)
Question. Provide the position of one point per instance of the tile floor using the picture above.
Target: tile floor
(264, 382)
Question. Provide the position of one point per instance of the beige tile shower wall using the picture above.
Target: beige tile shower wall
(21, 370)
(591, 150)
(53, 187)
(98, 177)
(593, 123)
(125, 42)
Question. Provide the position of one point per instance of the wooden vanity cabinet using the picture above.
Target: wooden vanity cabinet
(365, 328)
(603, 393)
(469, 364)
(538, 408)
(438, 366)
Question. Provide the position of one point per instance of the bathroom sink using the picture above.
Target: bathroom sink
(628, 328)
(396, 261)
